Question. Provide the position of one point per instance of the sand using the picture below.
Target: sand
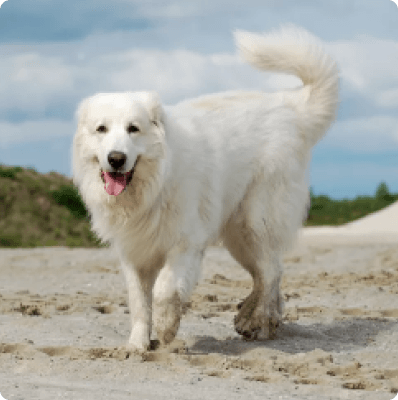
(64, 320)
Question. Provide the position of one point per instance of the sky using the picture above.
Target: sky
(55, 53)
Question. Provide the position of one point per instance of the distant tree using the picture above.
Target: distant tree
(382, 191)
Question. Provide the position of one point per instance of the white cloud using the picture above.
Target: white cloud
(175, 9)
(32, 81)
(31, 131)
(388, 98)
(184, 9)
(45, 75)
(369, 134)
(181, 73)
(368, 65)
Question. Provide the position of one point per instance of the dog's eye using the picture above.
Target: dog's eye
(132, 128)
(102, 129)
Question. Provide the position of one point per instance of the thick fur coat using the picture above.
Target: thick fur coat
(163, 183)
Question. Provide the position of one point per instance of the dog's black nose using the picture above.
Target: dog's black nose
(116, 159)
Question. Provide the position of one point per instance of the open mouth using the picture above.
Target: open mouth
(116, 182)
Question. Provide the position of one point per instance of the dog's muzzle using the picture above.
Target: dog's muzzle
(116, 182)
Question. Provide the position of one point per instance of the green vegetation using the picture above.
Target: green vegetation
(326, 211)
(41, 210)
(68, 196)
(46, 210)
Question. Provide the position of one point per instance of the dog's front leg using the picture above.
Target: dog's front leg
(139, 285)
(173, 288)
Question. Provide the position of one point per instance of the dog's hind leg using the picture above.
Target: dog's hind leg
(261, 312)
(173, 288)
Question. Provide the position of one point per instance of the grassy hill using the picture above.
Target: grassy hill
(46, 210)
(41, 210)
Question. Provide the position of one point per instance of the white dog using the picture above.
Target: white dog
(163, 183)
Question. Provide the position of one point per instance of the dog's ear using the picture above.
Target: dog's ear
(153, 104)
(81, 113)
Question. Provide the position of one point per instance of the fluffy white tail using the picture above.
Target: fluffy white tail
(295, 51)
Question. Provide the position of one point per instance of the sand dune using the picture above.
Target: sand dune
(383, 221)
(381, 226)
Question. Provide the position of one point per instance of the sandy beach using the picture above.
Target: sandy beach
(63, 324)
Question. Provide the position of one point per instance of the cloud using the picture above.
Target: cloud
(34, 82)
(368, 65)
(32, 131)
(186, 22)
(48, 80)
(49, 74)
(48, 20)
(387, 98)
(364, 135)
(41, 83)
(181, 73)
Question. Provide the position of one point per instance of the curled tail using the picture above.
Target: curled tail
(295, 51)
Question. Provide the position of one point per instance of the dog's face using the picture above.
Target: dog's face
(117, 132)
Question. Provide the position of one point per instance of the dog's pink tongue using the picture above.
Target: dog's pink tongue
(114, 183)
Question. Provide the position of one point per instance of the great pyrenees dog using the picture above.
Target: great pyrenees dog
(163, 183)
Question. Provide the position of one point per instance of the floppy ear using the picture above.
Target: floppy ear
(153, 104)
(81, 113)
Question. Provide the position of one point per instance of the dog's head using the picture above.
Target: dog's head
(119, 136)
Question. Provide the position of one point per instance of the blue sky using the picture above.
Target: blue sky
(54, 53)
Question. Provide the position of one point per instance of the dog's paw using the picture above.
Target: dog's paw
(254, 320)
(134, 349)
(139, 341)
(166, 317)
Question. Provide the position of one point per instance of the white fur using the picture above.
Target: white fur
(228, 166)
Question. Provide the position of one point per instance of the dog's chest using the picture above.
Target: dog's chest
(149, 234)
